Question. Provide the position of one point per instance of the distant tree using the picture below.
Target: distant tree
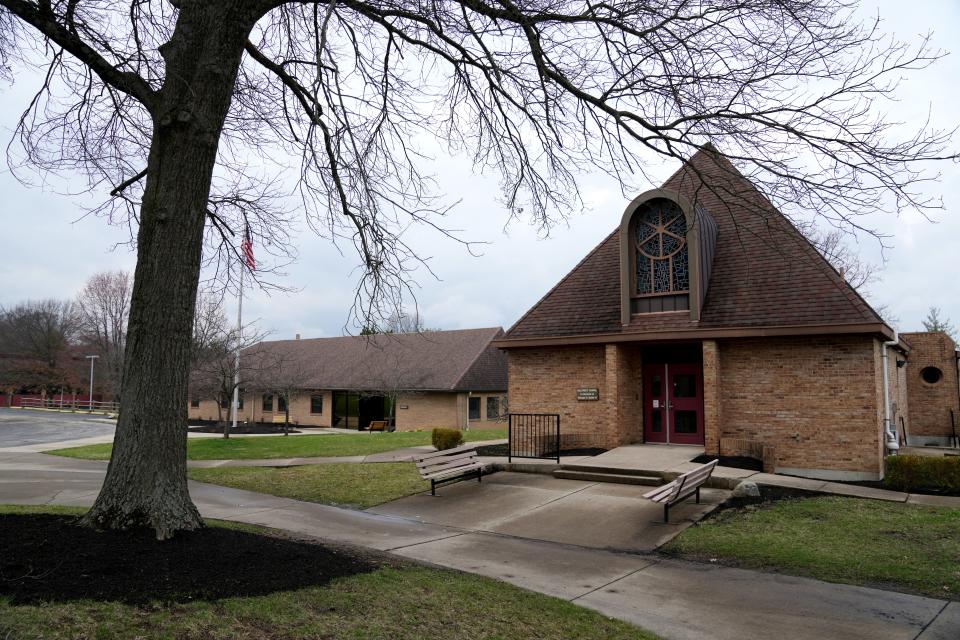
(215, 369)
(104, 307)
(42, 329)
(933, 322)
(832, 245)
(286, 377)
(398, 322)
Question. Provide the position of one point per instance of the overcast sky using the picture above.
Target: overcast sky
(47, 250)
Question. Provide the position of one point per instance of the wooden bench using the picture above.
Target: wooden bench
(452, 465)
(681, 488)
(279, 418)
(377, 425)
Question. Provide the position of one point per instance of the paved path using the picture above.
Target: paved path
(678, 600)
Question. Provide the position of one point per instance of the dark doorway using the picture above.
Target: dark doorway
(354, 410)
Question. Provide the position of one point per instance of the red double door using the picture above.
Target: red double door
(673, 403)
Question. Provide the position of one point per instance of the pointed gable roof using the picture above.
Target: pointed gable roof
(766, 277)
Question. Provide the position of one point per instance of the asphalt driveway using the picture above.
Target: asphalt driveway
(25, 427)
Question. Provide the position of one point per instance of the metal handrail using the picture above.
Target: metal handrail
(72, 404)
(533, 435)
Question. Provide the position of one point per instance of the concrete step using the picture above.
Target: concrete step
(617, 478)
(614, 470)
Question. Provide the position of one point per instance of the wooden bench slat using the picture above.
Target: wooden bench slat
(436, 454)
(449, 465)
(426, 463)
(453, 472)
(682, 487)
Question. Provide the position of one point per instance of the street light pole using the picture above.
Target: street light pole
(91, 359)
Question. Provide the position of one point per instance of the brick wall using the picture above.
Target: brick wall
(545, 380)
(253, 409)
(814, 400)
(428, 410)
(929, 405)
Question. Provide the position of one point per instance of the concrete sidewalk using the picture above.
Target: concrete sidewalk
(678, 600)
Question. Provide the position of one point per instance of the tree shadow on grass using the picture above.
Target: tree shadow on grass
(47, 558)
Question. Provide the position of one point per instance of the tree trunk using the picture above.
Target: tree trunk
(146, 484)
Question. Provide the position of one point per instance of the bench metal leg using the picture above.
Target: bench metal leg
(698, 495)
(479, 475)
(433, 487)
(666, 512)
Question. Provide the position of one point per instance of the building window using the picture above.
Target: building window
(195, 402)
(931, 375)
(493, 407)
(474, 409)
(660, 249)
(240, 400)
(224, 403)
(268, 402)
(316, 404)
(281, 403)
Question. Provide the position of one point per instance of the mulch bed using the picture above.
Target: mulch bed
(242, 429)
(735, 462)
(47, 558)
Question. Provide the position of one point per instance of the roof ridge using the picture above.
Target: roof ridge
(473, 361)
(562, 280)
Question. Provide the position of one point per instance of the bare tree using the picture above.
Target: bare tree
(832, 245)
(104, 306)
(215, 370)
(934, 322)
(188, 111)
(398, 321)
(42, 330)
(285, 376)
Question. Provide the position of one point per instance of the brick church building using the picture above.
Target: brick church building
(706, 318)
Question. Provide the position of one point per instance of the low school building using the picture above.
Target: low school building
(454, 379)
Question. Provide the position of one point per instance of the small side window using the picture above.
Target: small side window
(931, 375)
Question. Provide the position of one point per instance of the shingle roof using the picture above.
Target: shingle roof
(460, 360)
(765, 273)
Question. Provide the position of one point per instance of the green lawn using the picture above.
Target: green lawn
(397, 600)
(868, 542)
(309, 446)
(354, 485)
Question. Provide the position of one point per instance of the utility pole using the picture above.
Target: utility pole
(91, 359)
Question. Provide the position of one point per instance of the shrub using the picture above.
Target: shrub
(447, 438)
(908, 473)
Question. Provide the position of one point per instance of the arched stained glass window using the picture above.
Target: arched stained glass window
(660, 230)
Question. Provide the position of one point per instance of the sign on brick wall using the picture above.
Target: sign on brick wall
(588, 394)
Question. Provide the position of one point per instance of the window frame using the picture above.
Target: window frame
(496, 404)
(264, 404)
(314, 397)
(470, 400)
(634, 255)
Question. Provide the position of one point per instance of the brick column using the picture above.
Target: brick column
(711, 397)
(611, 402)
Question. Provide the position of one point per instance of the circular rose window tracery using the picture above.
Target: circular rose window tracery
(660, 229)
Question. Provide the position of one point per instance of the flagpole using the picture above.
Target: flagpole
(236, 359)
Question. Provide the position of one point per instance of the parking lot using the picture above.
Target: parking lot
(25, 427)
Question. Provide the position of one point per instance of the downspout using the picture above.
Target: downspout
(891, 432)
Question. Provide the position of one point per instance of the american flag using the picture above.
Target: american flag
(247, 248)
